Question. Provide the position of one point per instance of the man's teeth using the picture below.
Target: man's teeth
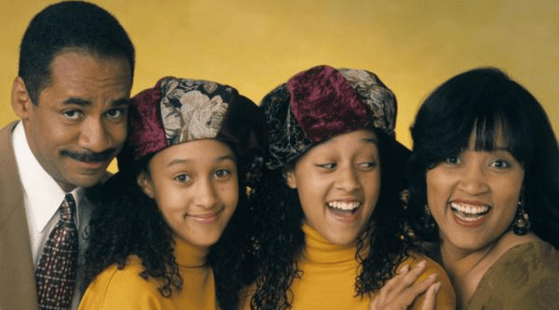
(469, 209)
(346, 206)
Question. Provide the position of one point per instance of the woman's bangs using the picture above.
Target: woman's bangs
(499, 131)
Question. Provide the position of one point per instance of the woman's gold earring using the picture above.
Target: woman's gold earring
(521, 222)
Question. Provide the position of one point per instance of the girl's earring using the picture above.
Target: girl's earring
(428, 220)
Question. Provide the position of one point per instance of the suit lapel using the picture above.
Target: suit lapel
(17, 278)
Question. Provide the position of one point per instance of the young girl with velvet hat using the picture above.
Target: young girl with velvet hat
(330, 230)
(171, 230)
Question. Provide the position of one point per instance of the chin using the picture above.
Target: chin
(203, 245)
(89, 181)
(342, 240)
(68, 185)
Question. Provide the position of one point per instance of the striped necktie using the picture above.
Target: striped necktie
(56, 271)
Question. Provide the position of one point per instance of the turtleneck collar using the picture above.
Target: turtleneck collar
(319, 250)
(188, 255)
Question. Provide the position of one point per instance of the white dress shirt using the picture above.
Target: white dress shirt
(42, 198)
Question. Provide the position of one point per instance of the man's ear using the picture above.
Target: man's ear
(290, 178)
(21, 101)
(145, 184)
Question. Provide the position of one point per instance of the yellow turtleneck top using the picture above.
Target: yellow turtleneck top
(329, 272)
(126, 289)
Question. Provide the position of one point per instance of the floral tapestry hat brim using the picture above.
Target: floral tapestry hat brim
(181, 110)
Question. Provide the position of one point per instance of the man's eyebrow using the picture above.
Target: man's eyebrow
(76, 101)
(121, 102)
(84, 102)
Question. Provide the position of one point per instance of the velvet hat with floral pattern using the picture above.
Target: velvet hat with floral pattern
(182, 110)
(320, 103)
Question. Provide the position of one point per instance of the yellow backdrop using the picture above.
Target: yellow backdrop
(255, 45)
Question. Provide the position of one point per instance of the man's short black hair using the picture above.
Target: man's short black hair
(64, 25)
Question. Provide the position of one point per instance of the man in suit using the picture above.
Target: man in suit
(71, 95)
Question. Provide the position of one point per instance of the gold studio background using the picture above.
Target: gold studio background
(255, 45)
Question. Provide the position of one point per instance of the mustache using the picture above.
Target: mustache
(90, 157)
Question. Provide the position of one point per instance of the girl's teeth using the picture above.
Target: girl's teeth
(344, 205)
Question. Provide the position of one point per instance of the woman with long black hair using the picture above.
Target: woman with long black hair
(484, 187)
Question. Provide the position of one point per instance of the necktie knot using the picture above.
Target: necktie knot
(67, 208)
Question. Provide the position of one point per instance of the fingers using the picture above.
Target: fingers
(429, 302)
(403, 270)
(410, 277)
(400, 291)
(403, 278)
(408, 296)
(395, 282)
(423, 285)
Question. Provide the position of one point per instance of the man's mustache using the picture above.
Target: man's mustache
(90, 157)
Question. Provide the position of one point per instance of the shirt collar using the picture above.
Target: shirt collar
(43, 193)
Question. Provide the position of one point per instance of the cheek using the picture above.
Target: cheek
(314, 209)
(373, 183)
(435, 184)
(169, 204)
(510, 197)
(170, 199)
(312, 192)
(436, 193)
(512, 188)
(371, 187)
(230, 195)
(118, 133)
(168, 207)
(51, 132)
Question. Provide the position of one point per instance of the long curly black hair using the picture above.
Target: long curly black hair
(127, 222)
(280, 240)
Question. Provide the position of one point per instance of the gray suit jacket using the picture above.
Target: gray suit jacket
(17, 275)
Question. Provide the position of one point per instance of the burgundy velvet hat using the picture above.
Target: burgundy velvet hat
(182, 110)
(320, 103)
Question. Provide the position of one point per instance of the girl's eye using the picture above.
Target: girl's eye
(327, 166)
(222, 173)
(501, 164)
(368, 164)
(182, 178)
(452, 160)
(72, 114)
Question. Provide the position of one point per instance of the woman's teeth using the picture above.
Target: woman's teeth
(344, 206)
(469, 212)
